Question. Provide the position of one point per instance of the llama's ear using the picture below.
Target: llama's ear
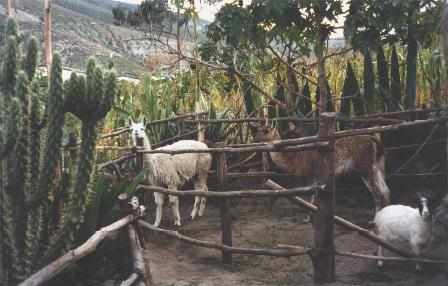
(130, 122)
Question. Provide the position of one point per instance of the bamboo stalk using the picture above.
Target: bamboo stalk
(221, 247)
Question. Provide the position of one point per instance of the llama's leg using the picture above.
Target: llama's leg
(199, 202)
(203, 202)
(381, 186)
(158, 197)
(377, 197)
(415, 247)
(380, 263)
(174, 203)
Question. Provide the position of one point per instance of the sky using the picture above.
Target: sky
(206, 12)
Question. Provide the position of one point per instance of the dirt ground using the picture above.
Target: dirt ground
(256, 225)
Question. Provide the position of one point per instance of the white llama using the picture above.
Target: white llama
(173, 171)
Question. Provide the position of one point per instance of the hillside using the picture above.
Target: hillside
(83, 28)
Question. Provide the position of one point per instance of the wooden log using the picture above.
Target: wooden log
(224, 206)
(342, 222)
(374, 257)
(116, 161)
(259, 148)
(364, 131)
(68, 259)
(234, 194)
(114, 133)
(213, 245)
(139, 265)
(323, 255)
(250, 119)
(178, 117)
(174, 138)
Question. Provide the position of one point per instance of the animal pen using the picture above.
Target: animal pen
(323, 251)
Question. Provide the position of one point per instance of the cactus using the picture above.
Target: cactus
(26, 181)
(91, 108)
(11, 248)
(30, 61)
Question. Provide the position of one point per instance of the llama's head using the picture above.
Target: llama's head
(424, 205)
(264, 133)
(137, 131)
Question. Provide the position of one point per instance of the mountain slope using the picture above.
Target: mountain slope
(82, 28)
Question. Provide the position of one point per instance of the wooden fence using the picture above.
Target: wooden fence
(322, 254)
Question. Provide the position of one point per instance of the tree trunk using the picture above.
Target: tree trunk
(369, 82)
(444, 46)
(293, 91)
(395, 84)
(47, 35)
(383, 79)
(322, 79)
(8, 8)
(411, 60)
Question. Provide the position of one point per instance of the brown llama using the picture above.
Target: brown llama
(362, 155)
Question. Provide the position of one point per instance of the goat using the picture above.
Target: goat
(406, 227)
(361, 154)
(173, 171)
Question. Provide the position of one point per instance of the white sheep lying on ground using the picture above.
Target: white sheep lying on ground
(406, 227)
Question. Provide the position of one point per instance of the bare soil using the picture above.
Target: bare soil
(257, 225)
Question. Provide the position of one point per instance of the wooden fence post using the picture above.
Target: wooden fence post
(323, 255)
(224, 206)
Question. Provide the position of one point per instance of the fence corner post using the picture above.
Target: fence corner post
(323, 254)
(224, 206)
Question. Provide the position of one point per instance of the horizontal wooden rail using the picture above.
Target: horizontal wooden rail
(343, 222)
(415, 111)
(250, 119)
(176, 137)
(354, 132)
(116, 161)
(373, 257)
(213, 245)
(410, 146)
(234, 194)
(175, 118)
(263, 148)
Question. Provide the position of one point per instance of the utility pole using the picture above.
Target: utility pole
(8, 7)
(47, 36)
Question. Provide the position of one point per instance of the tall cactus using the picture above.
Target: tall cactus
(30, 61)
(26, 181)
(53, 142)
(91, 108)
